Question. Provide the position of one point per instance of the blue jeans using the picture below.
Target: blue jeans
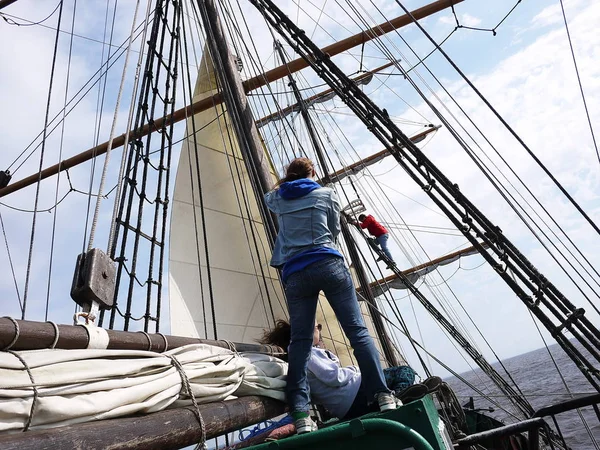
(382, 241)
(302, 291)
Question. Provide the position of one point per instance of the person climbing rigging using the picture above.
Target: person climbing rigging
(309, 224)
(376, 230)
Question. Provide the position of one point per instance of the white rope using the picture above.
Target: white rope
(166, 342)
(112, 131)
(113, 223)
(149, 340)
(56, 334)
(185, 383)
(33, 386)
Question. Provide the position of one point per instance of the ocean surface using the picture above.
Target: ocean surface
(537, 377)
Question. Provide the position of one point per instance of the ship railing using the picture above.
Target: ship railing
(533, 425)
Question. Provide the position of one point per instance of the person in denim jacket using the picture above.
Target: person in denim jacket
(305, 251)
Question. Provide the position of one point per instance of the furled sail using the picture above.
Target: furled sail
(315, 99)
(380, 287)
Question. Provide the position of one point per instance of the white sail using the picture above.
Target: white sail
(246, 292)
(245, 302)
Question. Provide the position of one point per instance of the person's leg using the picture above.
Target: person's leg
(340, 292)
(302, 306)
(382, 241)
(360, 406)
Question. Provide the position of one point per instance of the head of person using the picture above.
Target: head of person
(362, 217)
(281, 335)
(299, 168)
(317, 334)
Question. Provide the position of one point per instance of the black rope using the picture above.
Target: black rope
(41, 165)
(12, 22)
(491, 30)
(62, 134)
(187, 92)
(164, 166)
(138, 155)
(101, 71)
(587, 113)
(501, 119)
(489, 175)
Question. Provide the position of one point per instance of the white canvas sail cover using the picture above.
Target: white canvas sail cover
(76, 386)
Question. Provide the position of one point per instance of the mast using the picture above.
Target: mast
(248, 85)
(386, 344)
(255, 158)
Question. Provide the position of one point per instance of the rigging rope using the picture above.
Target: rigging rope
(62, 134)
(480, 165)
(41, 165)
(12, 22)
(587, 113)
(112, 130)
(10, 262)
(500, 118)
(465, 214)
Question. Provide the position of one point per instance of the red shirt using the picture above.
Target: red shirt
(374, 227)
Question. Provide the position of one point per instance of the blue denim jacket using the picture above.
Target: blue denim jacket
(308, 216)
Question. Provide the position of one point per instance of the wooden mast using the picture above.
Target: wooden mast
(249, 85)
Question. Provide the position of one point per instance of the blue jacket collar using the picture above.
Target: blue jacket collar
(297, 188)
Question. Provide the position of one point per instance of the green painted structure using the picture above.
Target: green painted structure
(416, 425)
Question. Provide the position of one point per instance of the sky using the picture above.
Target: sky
(525, 71)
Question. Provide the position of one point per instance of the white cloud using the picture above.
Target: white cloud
(465, 19)
(469, 20)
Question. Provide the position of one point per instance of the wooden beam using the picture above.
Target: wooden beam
(424, 265)
(359, 165)
(308, 100)
(38, 335)
(164, 430)
(249, 85)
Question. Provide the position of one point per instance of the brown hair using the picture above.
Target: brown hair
(298, 168)
(280, 335)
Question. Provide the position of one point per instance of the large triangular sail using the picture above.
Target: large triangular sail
(219, 273)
